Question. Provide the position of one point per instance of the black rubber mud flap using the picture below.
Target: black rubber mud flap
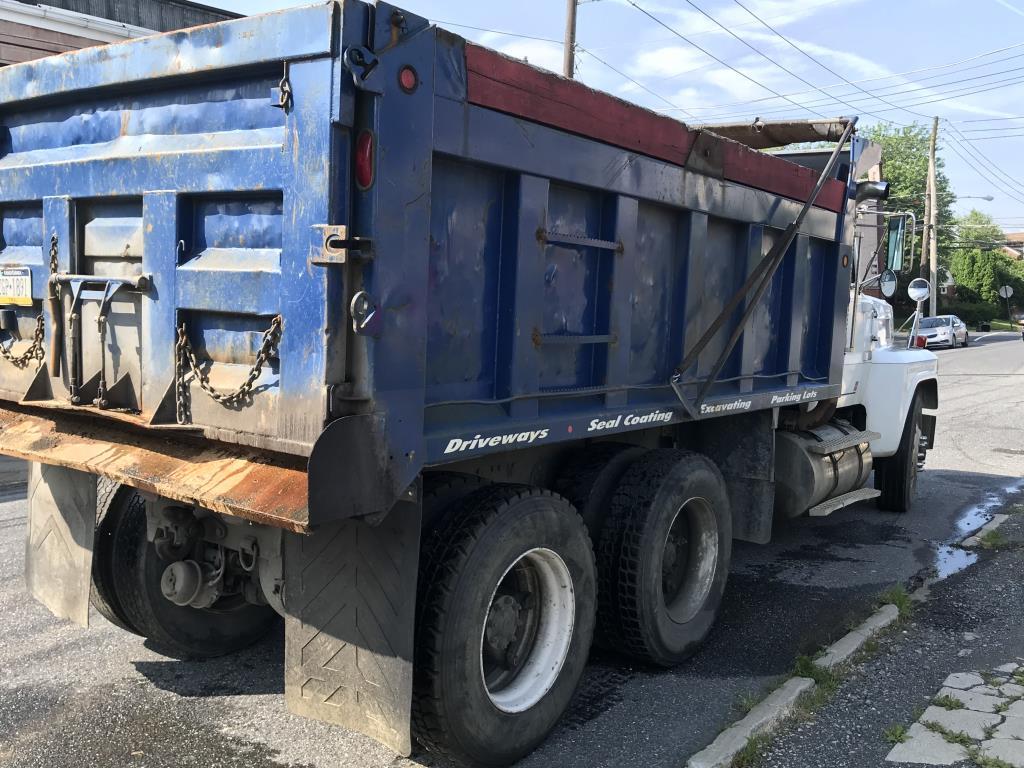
(58, 552)
(350, 600)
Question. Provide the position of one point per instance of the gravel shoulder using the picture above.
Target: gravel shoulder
(973, 620)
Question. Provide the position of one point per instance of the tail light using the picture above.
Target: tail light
(364, 159)
(921, 342)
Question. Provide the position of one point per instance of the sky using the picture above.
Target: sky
(899, 61)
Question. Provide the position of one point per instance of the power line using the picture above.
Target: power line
(767, 58)
(994, 130)
(975, 152)
(943, 96)
(856, 83)
(800, 50)
(498, 32)
(708, 53)
(1012, 192)
(637, 83)
(989, 138)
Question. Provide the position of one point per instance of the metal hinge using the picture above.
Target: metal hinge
(338, 247)
(281, 96)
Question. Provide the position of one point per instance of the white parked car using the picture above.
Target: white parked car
(944, 330)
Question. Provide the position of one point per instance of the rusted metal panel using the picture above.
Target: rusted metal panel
(253, 40)
(258, 486)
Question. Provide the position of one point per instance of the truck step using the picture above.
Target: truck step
(841, 443)
(826, 508)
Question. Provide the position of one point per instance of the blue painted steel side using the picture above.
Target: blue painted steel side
(487, 327)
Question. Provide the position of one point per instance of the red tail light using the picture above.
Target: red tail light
(364, 159)
(921, 342)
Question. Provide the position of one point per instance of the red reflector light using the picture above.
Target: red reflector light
(408, 79)
(921, 342)
(364, 159)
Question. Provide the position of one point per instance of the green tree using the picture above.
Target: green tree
(905, 167)
(979, 265)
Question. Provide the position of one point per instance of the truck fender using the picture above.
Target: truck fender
(893, 379)
(59, 546)
(350, 600)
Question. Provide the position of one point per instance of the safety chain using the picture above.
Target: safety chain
(35, 350)
(185, 361)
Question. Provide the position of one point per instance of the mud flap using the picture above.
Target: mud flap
(350, 599)
(58, 553)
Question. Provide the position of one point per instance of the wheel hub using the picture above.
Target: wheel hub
(527, 630)
(502, 624)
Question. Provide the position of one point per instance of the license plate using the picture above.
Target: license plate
(16, 286)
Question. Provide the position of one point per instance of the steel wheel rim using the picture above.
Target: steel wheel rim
(538, 643)
(689, 559)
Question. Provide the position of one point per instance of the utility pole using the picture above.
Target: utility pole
(933, 216)
(569, 51)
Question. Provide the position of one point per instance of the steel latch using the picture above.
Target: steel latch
(338, 247)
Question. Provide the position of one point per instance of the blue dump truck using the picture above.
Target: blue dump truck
(454, 364)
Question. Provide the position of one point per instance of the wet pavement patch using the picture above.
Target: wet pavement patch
(71, 728)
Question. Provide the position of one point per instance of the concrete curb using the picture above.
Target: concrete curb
(974, 540)
(842, 649)
(766, 715)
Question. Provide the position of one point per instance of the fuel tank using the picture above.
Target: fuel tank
(815, 465)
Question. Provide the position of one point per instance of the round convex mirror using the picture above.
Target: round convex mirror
(919, 289)
(887, 283)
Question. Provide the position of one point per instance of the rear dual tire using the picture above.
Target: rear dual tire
(505, 617)
(664, 555)
(126, 590)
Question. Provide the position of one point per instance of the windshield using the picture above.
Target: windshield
(934, 322)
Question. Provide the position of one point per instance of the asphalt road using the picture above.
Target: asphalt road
(70, 697)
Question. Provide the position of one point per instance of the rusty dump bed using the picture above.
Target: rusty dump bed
(227, 479)
(278, 266)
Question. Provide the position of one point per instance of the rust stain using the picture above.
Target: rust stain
(247, 483)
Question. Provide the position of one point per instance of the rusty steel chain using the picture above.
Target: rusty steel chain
(186, 361)
(35, 350)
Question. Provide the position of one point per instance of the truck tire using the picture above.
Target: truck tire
(588, 479)
(102, 594)
(181, 632)
(505, 617)
(664, 554)
(441, 491)
(896, 475)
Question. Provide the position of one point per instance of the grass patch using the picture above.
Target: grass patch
(1018, 677)
(826, 683)
(751, 754)
(898, 596)
(895, 733)
(953, 737)
(1003, 325)
(993, 540)
(947, 702)
(747, 702)
(984, 761)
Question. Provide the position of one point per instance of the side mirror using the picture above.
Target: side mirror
(919, 289)
(887, 283)
(897, 232)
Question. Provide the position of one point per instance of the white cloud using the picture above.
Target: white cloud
(537, 52)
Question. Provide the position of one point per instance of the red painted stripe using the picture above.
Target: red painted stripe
(776, 175)
(507, 85)
(498, 82)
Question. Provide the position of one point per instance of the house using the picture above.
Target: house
(31, 30)
(1014, 247)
